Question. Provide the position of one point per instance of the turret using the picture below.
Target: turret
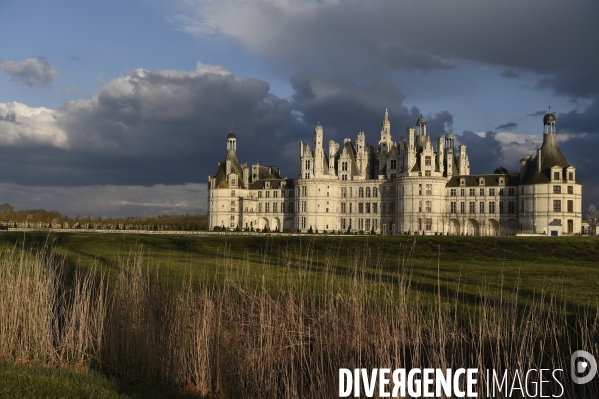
(231, 142)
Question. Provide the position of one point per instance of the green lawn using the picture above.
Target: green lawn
(567, 266)
(27, 382)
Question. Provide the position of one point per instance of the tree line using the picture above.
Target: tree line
(35, 217)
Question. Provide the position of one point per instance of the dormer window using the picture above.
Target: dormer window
(481, 182)
(462, 182)
(501, 181)
(555, 175)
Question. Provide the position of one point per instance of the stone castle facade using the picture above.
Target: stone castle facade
(413, 186)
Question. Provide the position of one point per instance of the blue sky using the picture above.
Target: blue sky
(122, 107)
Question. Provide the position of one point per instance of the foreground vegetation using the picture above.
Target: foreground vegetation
(277, 317)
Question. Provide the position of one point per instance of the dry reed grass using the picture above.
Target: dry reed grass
(246, 337)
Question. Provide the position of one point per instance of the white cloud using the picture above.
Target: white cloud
(24, 125)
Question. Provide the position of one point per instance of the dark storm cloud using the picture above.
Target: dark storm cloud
(32, 72)
(344, 108)
(152, 127)
(485, 153)
(507, 126)
(554, 40)
(511, 73)
(585, 121)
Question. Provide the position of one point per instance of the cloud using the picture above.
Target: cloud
(32, 72)
(147, 128)
(24, 126)
(422, 36)
(507, 126)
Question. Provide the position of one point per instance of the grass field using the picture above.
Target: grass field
(276, 316)
(567, 266)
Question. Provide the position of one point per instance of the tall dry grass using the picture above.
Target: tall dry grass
(240, 334)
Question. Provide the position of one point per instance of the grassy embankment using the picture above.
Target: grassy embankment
(277, 317)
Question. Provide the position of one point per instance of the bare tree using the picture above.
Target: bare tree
(592, 219)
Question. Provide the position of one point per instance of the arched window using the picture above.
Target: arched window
(375, 192)
(361, 192)
(367, 192)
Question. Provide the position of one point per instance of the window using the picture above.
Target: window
(472, 207)
(274, 207)
(360, 207)
(492, 207)
(511, 207)
(282, 193)
(267, 207)
(384, 191)
(570, 176)
(570, 206)
(429, 189)
(391, 207)
(351, 192)
(453, 207)
(343, 207)
(290, 193)
(343, 166)
(557, 205)
(555, 175)
(343, 192)
(462, 192)
(375, 192)
(482, 207)
(304, 191)
(232, 193)
(419, 206)
(275, 194)
(233, 181)
(393, 164)
(350, 208)
(260, 207)
(327, 211)
(361, 192)
(510, 191)
(427, 173)
(501, 207)
(393, 176)
(343, 225)
(374, 207)
(472, 192)
(462, 207)
(384, 207)
(343, 177)
(429, 206)
(557, 189)
(453, 192)
(491, 191)
(420, 189)
(501, 192)
(307, 163)
(367, 192)
(367, 225)
(368, 207)
(290, 207)
(570, 189)
(419, 223)
(427, 160)
(429, 224)
(303, 206)
(482, 192)
(303, 222)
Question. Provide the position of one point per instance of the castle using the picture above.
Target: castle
(405, 187)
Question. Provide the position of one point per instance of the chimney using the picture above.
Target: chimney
(538, 159)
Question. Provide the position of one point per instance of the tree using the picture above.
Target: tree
(592, 219)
